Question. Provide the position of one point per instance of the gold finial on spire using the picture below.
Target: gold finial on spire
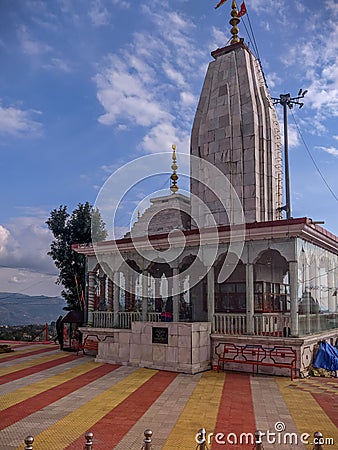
(234, 21)
(138, 214)
(174, 176)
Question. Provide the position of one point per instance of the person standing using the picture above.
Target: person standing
(59, 331)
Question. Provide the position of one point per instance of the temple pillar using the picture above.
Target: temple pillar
(175, 294)
(102, 292)
(116, 298)
(145, 293)
(331, 290)
(158, 298)
(250, 300)
(211, 295)
(110, 295)
(91, 297)
(293, 275)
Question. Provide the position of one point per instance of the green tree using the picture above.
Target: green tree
(71, 229)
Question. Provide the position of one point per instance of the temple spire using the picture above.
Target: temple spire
(174, 177)
(234, 21)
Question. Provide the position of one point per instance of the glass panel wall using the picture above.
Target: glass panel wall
(317, 288)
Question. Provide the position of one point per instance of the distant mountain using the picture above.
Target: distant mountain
(21, 309)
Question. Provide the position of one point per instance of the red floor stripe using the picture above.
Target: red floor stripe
(13, 356)
(118, 422)
(236, 413)
(34, 369)
(329, 403)
(24, 343)
(37, 402)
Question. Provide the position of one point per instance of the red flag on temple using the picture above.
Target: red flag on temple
(220, 3)
(242, 11)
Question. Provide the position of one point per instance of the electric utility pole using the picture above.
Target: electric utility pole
(287, 102)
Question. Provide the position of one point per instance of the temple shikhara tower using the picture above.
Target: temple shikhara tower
(181, 287)
(237, 130)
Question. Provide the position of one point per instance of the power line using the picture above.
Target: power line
(252, 36)
(312, 159)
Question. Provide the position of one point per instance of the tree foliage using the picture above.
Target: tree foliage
(71, 229)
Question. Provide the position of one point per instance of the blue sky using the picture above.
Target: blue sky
(88, 85)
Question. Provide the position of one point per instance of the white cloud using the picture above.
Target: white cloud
(174, 75)
(40, 13)
(324, 96)
(24, 243)
(122, 127)
(332, 6)
(121, 3)
(15, 121)
(315, 59)
(126, 95)
(219, 38)
(266, 5)
(272, 79)
(293, 137)
(128, 84)
(40, 53)
(99, 14)
(330, 150)
(188, 98)
(58, 64)
(30, 46)
(28, 282)
(4, 238)
(162, 136)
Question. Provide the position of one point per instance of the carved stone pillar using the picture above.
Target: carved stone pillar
(91, 297)
(110, 295)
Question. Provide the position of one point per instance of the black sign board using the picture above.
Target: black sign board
(160, 335)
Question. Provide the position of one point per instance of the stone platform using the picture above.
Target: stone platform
(178, 347)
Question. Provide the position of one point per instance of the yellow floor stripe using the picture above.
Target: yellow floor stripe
(306, 412)
(26, 350)
(32, 363)
(26, 392)
(72, 426)
(200, 412)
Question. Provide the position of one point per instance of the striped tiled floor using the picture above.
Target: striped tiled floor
(57, 397)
